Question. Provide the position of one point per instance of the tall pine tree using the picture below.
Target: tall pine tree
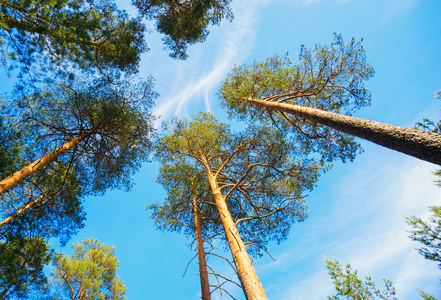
(324, 88)
(256, 178)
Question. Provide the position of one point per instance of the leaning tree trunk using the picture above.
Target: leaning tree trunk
(11, 181)
(203, 272)
(21, 210)
(410, 141)
(247, 275)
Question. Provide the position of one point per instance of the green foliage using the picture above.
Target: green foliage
(89, 273)
(327, 77)
(118, 117)
(21, 265)
(427, 296)
(428, 233)
(349, 286)
(182, 182)
(184, 22)
(10, 147)
(428, 125)
(60, 214)
(87, 34)
(438, 173)
(261, 175)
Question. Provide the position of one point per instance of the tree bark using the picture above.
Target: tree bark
(417, 143)
(247, 275)
(11, 181)
(203, 272)
(20, 211)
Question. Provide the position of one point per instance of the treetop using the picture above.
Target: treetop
(329, 77)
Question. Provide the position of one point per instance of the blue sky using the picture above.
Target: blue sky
(357, 210)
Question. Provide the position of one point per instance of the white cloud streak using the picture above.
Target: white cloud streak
(395, 8)
(234, 43)
(306, 2)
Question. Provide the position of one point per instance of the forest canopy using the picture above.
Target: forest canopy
(250, 194)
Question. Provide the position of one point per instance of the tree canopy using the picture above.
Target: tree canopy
(113, 119)
(89, 273)
(261, 176)
(21, 265)
(85, 34)
(96, 35)
(182, 182)
(116, 124)
(184, 22)
(328, 77)
(49, 204)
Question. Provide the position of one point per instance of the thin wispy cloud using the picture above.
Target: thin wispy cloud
(395, 8)
(306, 2)
(309, 2)
(233, 46)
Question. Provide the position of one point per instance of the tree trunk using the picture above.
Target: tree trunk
(203, 272)
(11, 181)
(247, 275)
(20, 211)
(410, 141)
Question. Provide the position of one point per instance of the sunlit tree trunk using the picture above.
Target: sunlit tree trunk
(21, 210)
(203, 272)
(410, 141)
(247, 275)
(11, 181)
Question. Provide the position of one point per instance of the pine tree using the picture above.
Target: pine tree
(256, 179)
(324, 88)
(100, 134)
(89, 273)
